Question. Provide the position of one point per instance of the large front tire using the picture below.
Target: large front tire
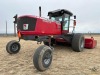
(13, 47)
(78, 42)
(42, 58)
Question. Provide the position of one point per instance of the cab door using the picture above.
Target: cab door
(65, 24)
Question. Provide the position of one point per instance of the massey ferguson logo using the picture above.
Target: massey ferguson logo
(25, 26)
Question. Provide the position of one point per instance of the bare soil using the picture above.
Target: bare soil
(65, 60)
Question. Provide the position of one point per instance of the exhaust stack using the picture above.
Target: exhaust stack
(39, 11)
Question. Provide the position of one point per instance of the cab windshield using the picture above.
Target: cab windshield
(57, 18)
(65, 21)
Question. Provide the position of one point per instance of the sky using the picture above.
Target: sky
(87, 12)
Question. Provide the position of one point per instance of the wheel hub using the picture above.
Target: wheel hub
(47, 58)
(15, 47)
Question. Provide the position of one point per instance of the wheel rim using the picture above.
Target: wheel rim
(14, 47)
(47, 58)
(82, 43)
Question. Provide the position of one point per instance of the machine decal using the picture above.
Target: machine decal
(25, 26)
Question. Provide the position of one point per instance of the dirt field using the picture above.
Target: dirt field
(65, 60)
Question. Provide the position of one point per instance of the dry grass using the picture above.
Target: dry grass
(65, 61)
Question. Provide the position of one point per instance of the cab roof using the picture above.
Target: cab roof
(59, 12)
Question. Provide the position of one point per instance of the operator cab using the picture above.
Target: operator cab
(63, 16)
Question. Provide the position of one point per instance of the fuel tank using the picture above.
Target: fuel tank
(33, 25)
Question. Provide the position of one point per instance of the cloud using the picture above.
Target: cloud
(87, 11)
(92, 27)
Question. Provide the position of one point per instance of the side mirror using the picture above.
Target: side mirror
(74, 23)
(74, 16)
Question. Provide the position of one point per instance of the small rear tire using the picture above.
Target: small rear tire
(42, 58)
(13, 47)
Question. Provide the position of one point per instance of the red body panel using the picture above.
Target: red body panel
(47, 27)
(43, 27)
(90, 43)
